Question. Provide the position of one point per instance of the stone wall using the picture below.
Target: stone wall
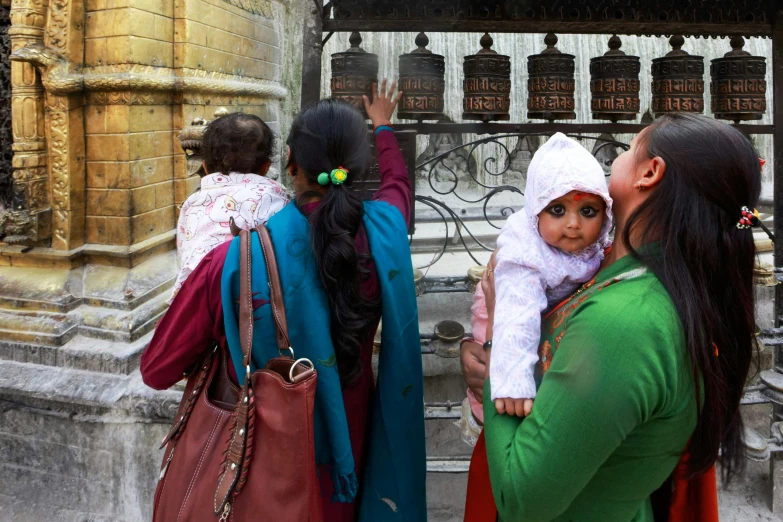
(101, 88)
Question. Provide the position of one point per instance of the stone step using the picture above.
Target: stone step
(81, 353)
(21, 327)
(445, 494)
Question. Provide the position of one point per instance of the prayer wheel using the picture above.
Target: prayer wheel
(487, 84)
(614, 84)
(421, 83)
(678, 80)
(353, 73)
(550, 84)
(739, 85)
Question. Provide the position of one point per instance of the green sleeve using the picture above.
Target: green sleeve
(606, 378)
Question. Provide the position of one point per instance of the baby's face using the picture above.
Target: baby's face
(572, 222)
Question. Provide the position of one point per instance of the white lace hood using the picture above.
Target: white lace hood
(558, 167)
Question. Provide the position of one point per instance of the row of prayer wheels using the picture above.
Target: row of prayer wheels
(738, 85)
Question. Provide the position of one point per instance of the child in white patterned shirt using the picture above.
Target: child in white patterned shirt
(545, 251)
(237, 149)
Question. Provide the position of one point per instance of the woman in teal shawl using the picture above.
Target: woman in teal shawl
(344, 264)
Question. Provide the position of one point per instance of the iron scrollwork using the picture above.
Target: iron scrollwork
(499, 163)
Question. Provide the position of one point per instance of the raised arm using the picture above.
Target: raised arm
(395, 186)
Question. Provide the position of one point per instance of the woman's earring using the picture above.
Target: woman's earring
(639, 187)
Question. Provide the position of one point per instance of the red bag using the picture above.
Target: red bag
(257, 440)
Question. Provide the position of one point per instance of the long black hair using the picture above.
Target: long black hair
(706, 265)
(323, 137)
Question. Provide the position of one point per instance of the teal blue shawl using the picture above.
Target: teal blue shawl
(393, 488)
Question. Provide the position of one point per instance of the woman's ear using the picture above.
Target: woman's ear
(653, 171)
(204, 167)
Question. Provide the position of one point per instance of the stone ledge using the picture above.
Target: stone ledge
(86, 393)
(80, 353)
(114, 255)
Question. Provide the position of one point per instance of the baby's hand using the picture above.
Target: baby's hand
(514, 407)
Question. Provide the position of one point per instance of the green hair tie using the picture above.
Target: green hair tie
(323, 178)
(339, 175)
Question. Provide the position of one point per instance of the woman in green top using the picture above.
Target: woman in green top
(666, 324)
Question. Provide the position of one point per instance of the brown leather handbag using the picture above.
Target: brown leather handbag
(256, 440)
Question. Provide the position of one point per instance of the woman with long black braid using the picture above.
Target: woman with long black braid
(343, 265)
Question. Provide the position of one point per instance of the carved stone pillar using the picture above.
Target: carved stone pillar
(65, 129)
(30, 214)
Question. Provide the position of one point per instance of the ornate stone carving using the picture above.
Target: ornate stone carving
(58, 79)
(190, 140)
(57, 28)
(29, 204)
(16, 227)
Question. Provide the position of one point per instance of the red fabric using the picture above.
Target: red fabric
(193, 323)
(479, 502)
(688, 500)
(695, 499)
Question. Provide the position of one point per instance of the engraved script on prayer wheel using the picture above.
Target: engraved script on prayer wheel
(614, 84)
(738, 86)
(353, 73)
(421, 83)
(550, 85)
(487, 84)
(678, 81)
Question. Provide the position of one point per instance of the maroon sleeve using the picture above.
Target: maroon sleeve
(395, 186)
(192, 325)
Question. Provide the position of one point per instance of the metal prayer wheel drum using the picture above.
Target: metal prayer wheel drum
(550, 84)
(487, 84)
(421, 83)
(738, 86)
(614, 84)
(353, 73)
(678, 81)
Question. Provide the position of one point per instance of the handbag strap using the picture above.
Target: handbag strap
(236, 463)
(275, 290)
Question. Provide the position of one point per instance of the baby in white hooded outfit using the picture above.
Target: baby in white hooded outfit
(545, 252)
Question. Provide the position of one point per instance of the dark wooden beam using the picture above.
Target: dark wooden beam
(311, 54)
(623, 27)
(532, 128)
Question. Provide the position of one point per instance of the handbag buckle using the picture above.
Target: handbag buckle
(293, 366)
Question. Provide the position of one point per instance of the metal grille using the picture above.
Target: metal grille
(5, 108)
